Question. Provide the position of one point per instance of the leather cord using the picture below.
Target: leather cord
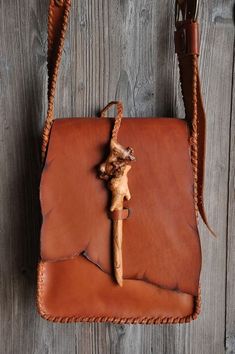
(118, 117)
(187, 49)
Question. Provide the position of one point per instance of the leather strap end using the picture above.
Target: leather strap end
(204, 218)
(119, 214)
(187, 38)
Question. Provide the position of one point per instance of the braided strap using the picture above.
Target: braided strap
(118, 118)
(55, 50)
(194, 135)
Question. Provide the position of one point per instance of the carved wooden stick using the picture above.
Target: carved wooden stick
(115, 170)
(120, 191)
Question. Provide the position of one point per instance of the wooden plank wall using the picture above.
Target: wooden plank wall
(114, 49)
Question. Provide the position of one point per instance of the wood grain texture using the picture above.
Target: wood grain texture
(230, 277)
(115, 49)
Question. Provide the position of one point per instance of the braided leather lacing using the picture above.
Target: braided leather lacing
(118, 118)
(193, 126)
(194, 134)
(52, 77)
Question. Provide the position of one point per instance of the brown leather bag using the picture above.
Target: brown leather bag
(161, 248)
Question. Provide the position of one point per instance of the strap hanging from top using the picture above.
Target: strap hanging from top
(58, 15)
(187, 49)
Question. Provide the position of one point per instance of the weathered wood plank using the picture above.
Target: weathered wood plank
(205, 335)
(230, 305)
(114, 49)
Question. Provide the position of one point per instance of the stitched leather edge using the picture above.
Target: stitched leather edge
(115, 320)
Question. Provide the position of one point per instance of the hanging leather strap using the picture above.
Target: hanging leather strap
(57, 25)
(187, 49)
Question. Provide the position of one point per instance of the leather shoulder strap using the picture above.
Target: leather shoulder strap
(187, 49)
(57, 25)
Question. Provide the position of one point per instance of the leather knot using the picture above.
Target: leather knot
(119, 214)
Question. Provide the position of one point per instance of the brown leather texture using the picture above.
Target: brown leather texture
(187, 48)
(187, 38)
(161, 247)
(77, 291)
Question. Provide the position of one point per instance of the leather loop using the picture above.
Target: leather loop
(119, 214)
(118, 117)
(118, 104)
(186, 38)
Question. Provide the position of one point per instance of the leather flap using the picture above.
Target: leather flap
(160, 243)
